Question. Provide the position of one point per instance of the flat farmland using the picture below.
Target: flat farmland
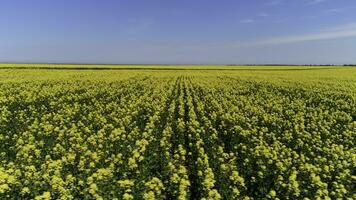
(177, 132)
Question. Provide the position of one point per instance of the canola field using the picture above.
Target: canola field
(177, 132)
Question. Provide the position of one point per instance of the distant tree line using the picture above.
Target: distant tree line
(353, 65)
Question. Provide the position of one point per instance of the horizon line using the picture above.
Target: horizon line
(184, 64)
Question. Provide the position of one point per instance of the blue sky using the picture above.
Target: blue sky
(178, 31)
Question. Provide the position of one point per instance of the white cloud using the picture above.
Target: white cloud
(337, 32)
(263, 15)
(349, 26)
(247, 21)
(275, 2)
(284, 2)
(333, 10)
(348, 30)
(314, 2)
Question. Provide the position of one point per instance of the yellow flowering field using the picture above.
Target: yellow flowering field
(177, 133)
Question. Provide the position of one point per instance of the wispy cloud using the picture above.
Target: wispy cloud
(349, 26)
(247, 21)
(314, 2)
(284, 2)
(275, 2)
(348, 30)
(139, 25)
(255, 18)
(333, 10)
(263, 14)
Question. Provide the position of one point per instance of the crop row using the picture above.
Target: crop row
(176, 137)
